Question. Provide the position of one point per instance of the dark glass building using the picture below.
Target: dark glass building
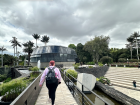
(60, 54)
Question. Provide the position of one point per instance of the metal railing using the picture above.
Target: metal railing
(79, 95)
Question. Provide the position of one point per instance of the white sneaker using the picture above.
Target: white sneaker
(49, 100)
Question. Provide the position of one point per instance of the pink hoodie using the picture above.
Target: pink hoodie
(57, 72)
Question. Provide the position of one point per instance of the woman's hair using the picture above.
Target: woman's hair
(52, 62)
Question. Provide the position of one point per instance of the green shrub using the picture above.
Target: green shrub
(76, 67)
(34, 74)
(30, 68)
(7, 80)
(100, 64)
(133, 60)
(34, 68)
(2, 77)
(71, 72)
(12, 89)
(106, 59)
(21, 63)
(90, 63)
(77, 64)
(104, 80)
(90, 66)
(97, 79)
(6, 66)
(63, 69)
(122, 60)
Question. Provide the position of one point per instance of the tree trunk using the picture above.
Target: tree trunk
(137, 50)
(16, 55)
(17, 58)
(28, 59)
(45, 43)
(2, 59)
(36, 42)
(131, 51)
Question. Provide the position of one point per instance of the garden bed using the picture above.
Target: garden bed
(11, 90)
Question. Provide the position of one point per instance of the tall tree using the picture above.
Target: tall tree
(114, 54)
(80, 52)
(8, 59)
(130, 40)
(97, 45)
(15, 43)
(28, 49)
(2, 49)
(36, 36)
(136, 35)
(45, 39)
(72, 46)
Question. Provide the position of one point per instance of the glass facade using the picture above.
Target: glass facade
(56, 53)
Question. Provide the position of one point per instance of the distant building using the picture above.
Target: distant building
(60, 54)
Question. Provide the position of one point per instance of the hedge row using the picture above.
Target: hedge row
(125, 65)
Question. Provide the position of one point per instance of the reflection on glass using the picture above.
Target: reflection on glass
(57, 53)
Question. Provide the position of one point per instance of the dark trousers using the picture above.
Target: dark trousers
(52, 89)
(134, 84)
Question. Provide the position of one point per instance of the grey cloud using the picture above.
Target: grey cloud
(56, 18)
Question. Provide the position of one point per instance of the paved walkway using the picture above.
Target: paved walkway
(63, 96)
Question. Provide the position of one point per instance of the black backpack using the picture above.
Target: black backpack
(50, 77)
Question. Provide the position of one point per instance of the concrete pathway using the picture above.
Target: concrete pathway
(63, 96)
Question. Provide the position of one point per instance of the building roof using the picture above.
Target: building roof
(53, 49)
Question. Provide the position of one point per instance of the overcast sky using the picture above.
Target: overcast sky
(68, 21)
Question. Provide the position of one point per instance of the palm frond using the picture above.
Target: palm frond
(36, 36)
(45, 38)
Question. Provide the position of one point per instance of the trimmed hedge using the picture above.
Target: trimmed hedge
(106, 59)
(125, 65)
(122, 60)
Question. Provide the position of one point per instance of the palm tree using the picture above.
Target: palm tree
(28, 49)
(45, 39)
(136, 35)
(15, 43)
(36, 36)
(2, 49)
(130, 40)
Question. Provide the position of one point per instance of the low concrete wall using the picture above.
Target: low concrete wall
(46, 64)
(96, 71)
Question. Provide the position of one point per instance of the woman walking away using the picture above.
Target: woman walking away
(134, 83)
(53, 78)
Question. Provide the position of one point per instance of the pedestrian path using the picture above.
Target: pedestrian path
(63, 96)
